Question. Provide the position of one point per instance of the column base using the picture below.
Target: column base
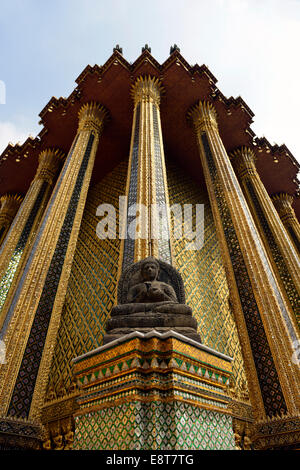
(279, 433)
(19, 434)
(153, 391)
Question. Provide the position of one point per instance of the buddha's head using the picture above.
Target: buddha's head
(149, 269)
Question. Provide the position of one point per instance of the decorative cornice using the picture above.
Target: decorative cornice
(232, 102)
(276, 151)
(20, 150)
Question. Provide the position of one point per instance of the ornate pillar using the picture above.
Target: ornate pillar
(264, 321)
(18, 243)
(146, 181)
(36, 307)
(10, 204)
(284, 258)
(283, 203)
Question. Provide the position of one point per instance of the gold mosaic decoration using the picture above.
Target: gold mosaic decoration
(93, 280)
(156, 375)
(92, 285)
(204, 277)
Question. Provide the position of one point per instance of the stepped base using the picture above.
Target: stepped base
(153, 391)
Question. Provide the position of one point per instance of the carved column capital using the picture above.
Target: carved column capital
(10, 204)
(283, 203)
(203, 115)
(49, 160)
(92, 117)
(243, 161)
(147, 89)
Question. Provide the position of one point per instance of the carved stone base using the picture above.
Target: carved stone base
(57, 418)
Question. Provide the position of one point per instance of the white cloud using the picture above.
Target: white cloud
(9, 132)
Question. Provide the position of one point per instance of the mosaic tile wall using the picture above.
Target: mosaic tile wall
(204, 276)
(153, 426)
(92, 286)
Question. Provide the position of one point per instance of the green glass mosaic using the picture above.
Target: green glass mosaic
(153, 426)
(204, 277)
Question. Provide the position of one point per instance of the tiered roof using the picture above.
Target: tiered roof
(184, 85)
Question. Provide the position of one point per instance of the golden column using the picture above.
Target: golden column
(147, 231)
(263, 318)
(17, 244)
(283, 203)
(38, 301)
(10, 204)
(284, 257)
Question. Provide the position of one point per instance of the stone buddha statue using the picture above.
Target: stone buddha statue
(151, 290)
(151, 296)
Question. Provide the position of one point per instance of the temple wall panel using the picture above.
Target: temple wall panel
(204, 276)
(92, 286)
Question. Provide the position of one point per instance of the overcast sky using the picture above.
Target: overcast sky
(251, 46)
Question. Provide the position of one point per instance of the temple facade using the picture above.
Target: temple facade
(149, 160)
